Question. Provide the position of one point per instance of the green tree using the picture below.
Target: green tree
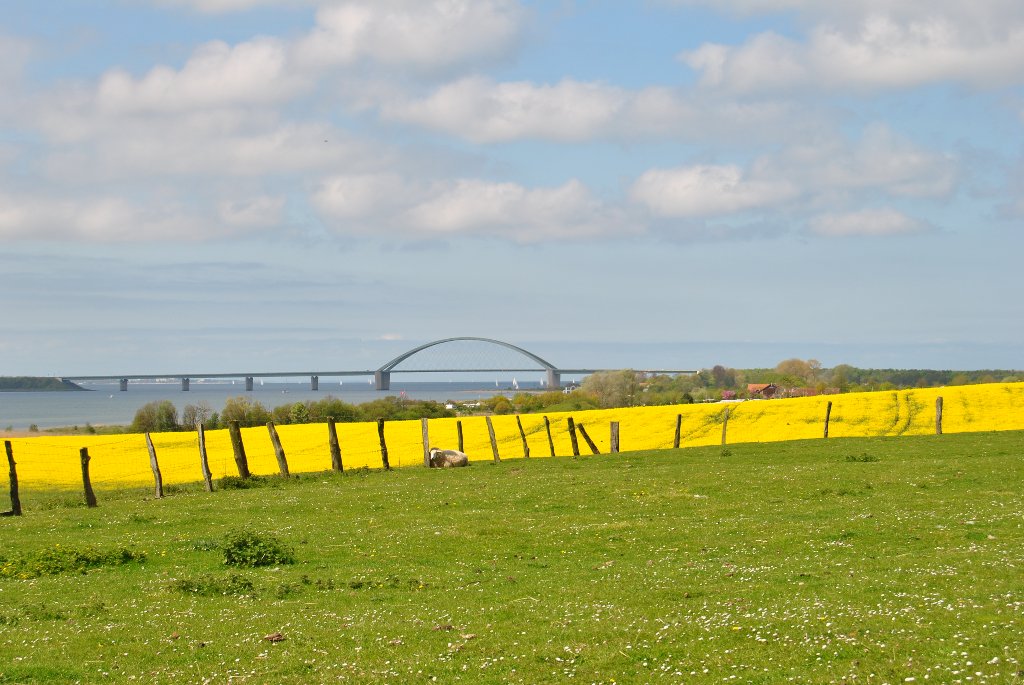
(614, 388)
(245, 411)
(155, 417)
(299, 413)
(723, 377)
(331, 406)
(501, 405)
(195, 414)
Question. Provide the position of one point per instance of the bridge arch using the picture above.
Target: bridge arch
(382, 376)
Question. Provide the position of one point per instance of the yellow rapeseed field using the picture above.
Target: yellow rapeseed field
(48, 462)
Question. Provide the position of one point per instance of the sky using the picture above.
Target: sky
(227, 185)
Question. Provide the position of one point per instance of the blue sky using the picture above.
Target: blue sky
(190, 185)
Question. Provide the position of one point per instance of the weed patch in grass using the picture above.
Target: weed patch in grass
(232, 584)
(249, 548)
(863, 458)
(60, 559)
(253, 481)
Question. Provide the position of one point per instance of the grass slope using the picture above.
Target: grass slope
(855, 560)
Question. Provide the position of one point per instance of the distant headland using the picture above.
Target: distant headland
(36, 384)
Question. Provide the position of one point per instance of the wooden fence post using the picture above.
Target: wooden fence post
(725, 424)
(938, 415)
(828, 413)
(204, 462)
(282, 461)
(155, 466)
(426, 442)
(494, 441)
(590, 443)
(613, 447)
(522, 434)
(238, 448)
(551, 443)
(90, 496)
(572, 438)
(458, 428)
(332, 440)
(15, 497)
(383, 445)
(679, 428)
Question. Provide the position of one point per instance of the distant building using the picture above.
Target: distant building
(765, 390)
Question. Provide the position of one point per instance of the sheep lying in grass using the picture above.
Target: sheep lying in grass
(444, 459)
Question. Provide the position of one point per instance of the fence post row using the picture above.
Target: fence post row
(15, 497)
(282, 461)
(90, 496)
(336, 462)
(155, 466)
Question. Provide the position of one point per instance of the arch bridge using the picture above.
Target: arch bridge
(381, 375)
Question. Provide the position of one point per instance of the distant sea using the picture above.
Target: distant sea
(104, 403)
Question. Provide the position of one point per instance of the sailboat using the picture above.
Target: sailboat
(515, 384)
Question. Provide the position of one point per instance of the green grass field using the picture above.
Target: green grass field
(885, 560)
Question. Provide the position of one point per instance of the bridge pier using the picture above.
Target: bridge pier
(248, 383)
(314, 382)
(124, 385)
(554, 378)
(382, 380)
(184, 384)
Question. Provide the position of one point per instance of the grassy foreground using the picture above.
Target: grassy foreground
(877, 560)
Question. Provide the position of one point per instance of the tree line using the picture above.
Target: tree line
(606, 389)
(162, 415)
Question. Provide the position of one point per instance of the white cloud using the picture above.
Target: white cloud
(881, 47)
(818, 172)
(14, 55)
(484, 111)
(223, 6)
(481, 110)
(216, 75)
(109, 219)
(881, 160)
(238, 142)
(707, 190)
(978, 15)
(256, 212)
(361, 196)
(467, 207)
(868, 222)
(417, 34)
